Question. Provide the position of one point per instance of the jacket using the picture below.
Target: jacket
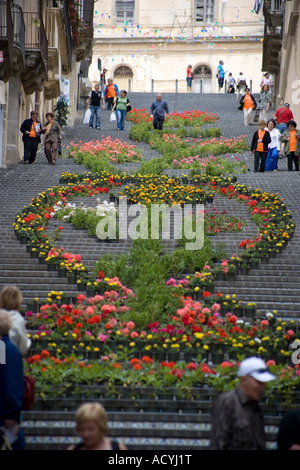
(266, 141)
(11, 383)
(242, 102)
(26, 126)
(286, 150)
(116, 88)
(18, 333)
(54, 133)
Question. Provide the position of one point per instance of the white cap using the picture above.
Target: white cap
(256, 368)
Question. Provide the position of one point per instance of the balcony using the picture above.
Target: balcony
(36, 53)
(6, 41)
(81, 21)
(274, 14)
(19, 39)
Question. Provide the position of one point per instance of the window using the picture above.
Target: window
(124, 11)
(204, 11)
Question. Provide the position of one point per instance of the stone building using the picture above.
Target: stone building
(147, 46)
(45, 50)
(281, 51)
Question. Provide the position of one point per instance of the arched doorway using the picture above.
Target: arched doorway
(202, 81)
(123, 78)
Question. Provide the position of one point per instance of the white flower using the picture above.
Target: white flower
(257, 340)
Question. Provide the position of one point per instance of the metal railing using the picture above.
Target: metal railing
(35, 37)
(18, 28)
(6, 24)
(276, 5)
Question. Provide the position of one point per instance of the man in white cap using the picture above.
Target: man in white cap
(237, 420)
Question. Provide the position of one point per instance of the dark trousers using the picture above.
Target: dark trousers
(158, 121)
(30, 149)
(293, 158)
(260, 156)
(110, 102)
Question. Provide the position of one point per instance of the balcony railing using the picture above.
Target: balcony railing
(276, 5)
(36, 38)
(18, 28)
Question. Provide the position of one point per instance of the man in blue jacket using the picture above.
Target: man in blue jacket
(159, 109)
(11, 386)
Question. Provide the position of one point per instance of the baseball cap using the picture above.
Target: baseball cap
(286, 104)
(256, 368)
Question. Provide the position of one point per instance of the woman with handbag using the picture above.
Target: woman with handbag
(264, 103)
(52, 131)
(122, 106)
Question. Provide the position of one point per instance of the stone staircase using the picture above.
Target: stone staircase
(164, 424)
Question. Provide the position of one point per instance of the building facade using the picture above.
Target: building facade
(281, 51)
(147, 46)
(43, 47)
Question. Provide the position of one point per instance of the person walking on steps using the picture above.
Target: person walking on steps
(94, 103)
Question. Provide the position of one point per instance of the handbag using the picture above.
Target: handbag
(256, 117)
(59, 147)
(29, 392)
(113, 117)
(129, 108)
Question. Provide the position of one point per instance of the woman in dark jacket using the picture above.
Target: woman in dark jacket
(31, 130)
(259, 146)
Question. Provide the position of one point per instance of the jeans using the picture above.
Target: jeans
(121, 116)
(95, 110)
(272, 160)
(158, 121)
(281, 127)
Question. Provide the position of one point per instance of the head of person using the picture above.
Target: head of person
(266, 88)
(123, 93)
(34, 115)
(266, 75)
(104, 70)
(261, 124)
(254, 375)
(189, 66)
(287, 105)
(247, 90)
(110, 81)
(291, 125)
(10, 298)
(49, 117)
(91, 423)
(158, 97)
(271, 124)
(97, 87)
(5, 323)
(230, 74)
(241, 73)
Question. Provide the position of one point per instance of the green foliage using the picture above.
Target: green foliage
(61, 110)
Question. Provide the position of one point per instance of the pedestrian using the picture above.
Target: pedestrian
(241, 85)
(291, 140)
(274, 147)
(264, 103)
(237, 419)
(52, 131)
(259, 146)
(288, 437)
(11, 387)
(122, 106)
(220, 74)
(231, 83)
(94, 104)
(111, 93)
(282, 116)
(158, 111)
(189, 78)
(92, 427)
(31, 130)
(11, 300)
(247, 104)
(103, 80)
(266, 80)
